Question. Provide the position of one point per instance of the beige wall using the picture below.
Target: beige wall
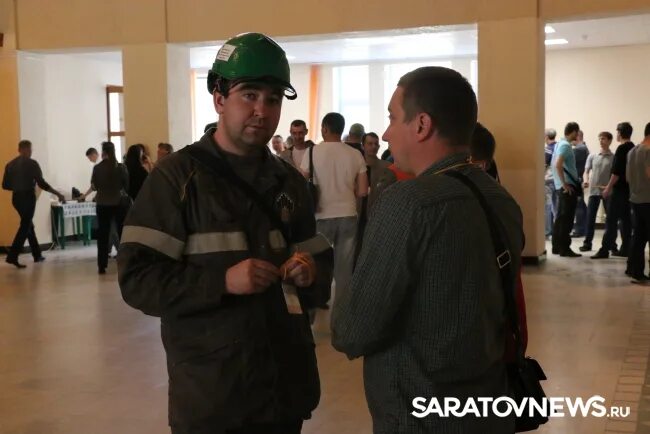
(86, 23)
(89, 23)
(598, 88)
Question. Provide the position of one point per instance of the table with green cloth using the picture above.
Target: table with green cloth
(82, 215)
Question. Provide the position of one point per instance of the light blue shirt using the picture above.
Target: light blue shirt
(564, 149)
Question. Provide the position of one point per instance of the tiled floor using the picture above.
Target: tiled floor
(75, 359)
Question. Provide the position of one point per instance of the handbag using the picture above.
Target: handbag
(576, 185)
(524, 374)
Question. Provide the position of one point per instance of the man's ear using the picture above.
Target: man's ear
(424, 126)
(219, 101)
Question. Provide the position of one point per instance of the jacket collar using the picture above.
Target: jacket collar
(272, 171)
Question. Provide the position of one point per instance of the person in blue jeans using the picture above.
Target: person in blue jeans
(597, 171)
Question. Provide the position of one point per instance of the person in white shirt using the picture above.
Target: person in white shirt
(340, 175)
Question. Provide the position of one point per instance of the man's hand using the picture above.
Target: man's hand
(607, 192)
(251, 276)
(585, 184)
(300, 268)
(567, 188)
(60, 197)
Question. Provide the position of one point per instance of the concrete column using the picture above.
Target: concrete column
(9, 115)
(511, 60)
(157, 95)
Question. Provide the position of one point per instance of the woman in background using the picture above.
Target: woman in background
(135, 164)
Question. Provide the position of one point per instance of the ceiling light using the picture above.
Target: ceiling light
(548, 29)
(556, 42)
(290, 57)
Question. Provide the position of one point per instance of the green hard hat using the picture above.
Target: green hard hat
(251, 56)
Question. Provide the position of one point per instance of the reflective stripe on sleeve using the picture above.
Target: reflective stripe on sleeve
(157, 240)
(215, 242)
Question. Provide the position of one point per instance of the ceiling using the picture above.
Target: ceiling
(438, 42)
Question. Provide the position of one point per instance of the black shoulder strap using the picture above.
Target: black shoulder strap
(503, 258)
(223, 169)
(311, 164)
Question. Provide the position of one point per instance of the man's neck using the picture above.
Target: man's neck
(605, 150)
(371, 158)
(425, 161)
(332, 138)
(646, 141)
(300, 146)
(228, 146)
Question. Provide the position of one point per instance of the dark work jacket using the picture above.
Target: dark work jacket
(232, 360)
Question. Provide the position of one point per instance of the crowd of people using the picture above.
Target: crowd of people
(235, 248)
(620, 180)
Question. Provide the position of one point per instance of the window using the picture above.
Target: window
(203, 108)
(115, 117)
(352, 94)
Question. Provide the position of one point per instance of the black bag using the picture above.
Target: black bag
(525, 373)
(577, 186)
(313, 188)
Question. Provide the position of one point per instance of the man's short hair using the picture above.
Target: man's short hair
(335, 122)
(571, 127)
(24, 144)
(646, 131)
(625, 130)
(357, 130)
(551, 133)
(446, 96)
(371, 134)
(483, 144)
(299, 123)
(607, 135)
(166, 146)
(277, 136)
(91, 151)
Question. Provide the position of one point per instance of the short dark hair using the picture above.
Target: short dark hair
(550, 133)
(571, 127)
(371, 134)
(91, 151)
(24, 144)
(625, 130)
(335, 122)
(607, 135)
(298, 123)
(444, 95)
(646, 131)
(166, 146)
(483, 144)
(277, 136)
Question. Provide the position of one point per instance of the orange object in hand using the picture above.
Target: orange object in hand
(300, 258)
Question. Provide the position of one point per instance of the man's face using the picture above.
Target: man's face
(162, 153)
(93, 157)
(399, 134)
(26, 152)
(250, 114)
(371, 146)
(604, 142)
(277, 145)
(619, 138)
(298, 134)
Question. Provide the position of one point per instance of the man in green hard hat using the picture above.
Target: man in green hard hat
(221, 244)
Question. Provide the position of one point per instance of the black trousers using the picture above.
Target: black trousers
(640, 237)
(276, 428)
(25, 204)
(106, 214)
(566, 211)
(618, 209)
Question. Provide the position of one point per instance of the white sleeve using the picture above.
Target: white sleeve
(361, 162)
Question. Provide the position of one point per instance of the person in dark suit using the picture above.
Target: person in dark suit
(21, 176)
